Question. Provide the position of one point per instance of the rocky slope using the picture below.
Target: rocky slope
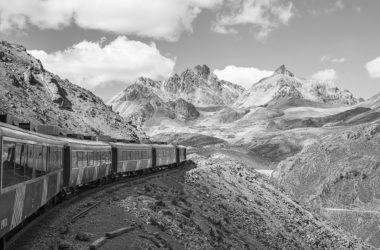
(31, 93)
(140, 101)
(340, 172)
(283, 89)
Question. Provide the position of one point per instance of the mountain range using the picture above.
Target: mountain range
(197, 96)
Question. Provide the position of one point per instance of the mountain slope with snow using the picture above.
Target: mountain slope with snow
(174, 98)
(283, 89)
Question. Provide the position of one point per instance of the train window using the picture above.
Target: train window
(44, 151)
(91, 158)
(74, 159)
(80, 159)
(85, 159)
(28, 171)
(60, 158)
(48, 160)
(19, 168)
(96, 158)
(8, 164)
(108, 157)
(25, 161)
(31, 161)
(103, 157)
(55, 158)
(38, 156)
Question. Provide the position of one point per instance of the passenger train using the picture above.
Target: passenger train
(38, 169)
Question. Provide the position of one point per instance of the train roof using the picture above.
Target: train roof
(83, 144)
(130, 145)
(25, 135)
(163, 145)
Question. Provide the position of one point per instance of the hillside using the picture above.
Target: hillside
(340, 172)
(31, 93)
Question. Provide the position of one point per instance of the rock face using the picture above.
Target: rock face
(342, 172)
(283, 89)
(31, 93)
(283, 71)
(184, 111)
(176, 97)
(140, 101)
(201, 88)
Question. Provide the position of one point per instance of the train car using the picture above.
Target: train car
(181, 154)
(85, 161)
(164, 155)
(128, 157)
(31, 174)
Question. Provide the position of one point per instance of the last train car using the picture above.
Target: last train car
(131, 157)
(31, 174)
(165, 155)
(181, 154)
(85, 161)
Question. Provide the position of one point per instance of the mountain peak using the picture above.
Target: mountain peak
(202, 71)
(283, 71)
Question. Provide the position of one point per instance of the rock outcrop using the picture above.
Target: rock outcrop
(31, 93)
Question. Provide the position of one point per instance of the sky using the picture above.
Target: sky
(105, 46)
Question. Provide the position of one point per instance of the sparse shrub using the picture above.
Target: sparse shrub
(147, 189)
(157, 205)
(258, 202)
(187, 213)
(167, 212)
(174, 202)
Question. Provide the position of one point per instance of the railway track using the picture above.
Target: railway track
(85, 192)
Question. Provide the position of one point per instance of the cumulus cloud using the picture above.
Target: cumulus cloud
(262, 16)
(325, 75)
(333, 59)
(373, 68)
(92, 64)
(163, 19)
(242, 75)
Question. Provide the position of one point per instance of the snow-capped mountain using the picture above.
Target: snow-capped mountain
(284, 89)
(176, 97)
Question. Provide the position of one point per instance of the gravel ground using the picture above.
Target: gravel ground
(216, 203)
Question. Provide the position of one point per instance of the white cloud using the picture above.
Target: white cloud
(325, 75)
(242, 75)
(263, 16)
(333, 59)
(373, 68)
(163, 19)
(90, 64)
(328, 7)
